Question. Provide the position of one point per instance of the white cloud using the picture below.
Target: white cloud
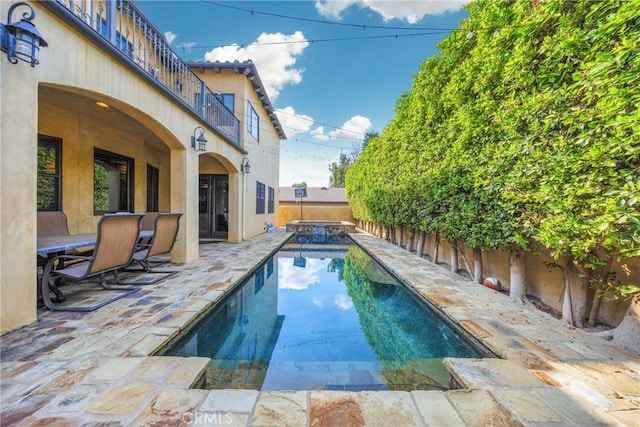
(403, 10)
(355, 128)
(343, 302)
(274, 55)
(299, 168)
(333, 8)
(296, 278)
(186, 45)
(318, 133)
(293, 123)
(170, 36)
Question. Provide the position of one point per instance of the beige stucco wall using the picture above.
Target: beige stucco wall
(288, 212)
(73, 65)
(543, 282)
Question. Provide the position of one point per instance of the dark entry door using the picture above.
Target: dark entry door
(214, 204)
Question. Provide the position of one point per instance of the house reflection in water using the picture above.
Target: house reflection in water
(240, 335)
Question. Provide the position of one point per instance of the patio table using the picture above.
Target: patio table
(59, 244)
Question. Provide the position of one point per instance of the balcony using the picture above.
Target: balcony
(125, 32)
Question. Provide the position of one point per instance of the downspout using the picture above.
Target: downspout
(243, 210)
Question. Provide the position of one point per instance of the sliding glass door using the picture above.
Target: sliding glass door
(214, 204)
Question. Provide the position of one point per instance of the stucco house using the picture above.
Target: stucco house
(112, 120)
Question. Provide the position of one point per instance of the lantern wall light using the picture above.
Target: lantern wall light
(21, 40)
(245, 166)
(200, 140)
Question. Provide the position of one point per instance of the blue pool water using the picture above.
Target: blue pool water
(323, 317)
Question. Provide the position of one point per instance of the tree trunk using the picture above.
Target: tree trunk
(595, 309)
(627, 332)
(436, 247)
(567, 312)
(454, 256)
(420, 246)
(574, 307)
(467, 265)
(597, 298)
(410, 236)
(399, 236)
(390, 236)
(477, 265)
(517, 275)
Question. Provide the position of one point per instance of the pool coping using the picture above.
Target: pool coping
(96, 367)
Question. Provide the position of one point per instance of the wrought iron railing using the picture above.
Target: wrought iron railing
(124, 26)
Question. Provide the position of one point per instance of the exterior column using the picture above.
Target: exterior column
(18, 172)
(184, 198)
(236, 210)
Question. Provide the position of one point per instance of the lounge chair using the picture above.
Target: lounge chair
(115, 244)
(165, 232)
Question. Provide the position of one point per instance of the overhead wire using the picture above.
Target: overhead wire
(434, 31)
(324, 21)
(358, 135)
(312, 41)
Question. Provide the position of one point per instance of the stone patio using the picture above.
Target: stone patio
(81, 369)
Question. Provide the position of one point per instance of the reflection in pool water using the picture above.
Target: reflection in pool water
(323, 317)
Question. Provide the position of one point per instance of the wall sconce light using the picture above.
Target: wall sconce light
(20, 40)
(201, 140)
(245, 166)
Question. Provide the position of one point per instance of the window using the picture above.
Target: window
(269, 267)
(259, 198)
(102, 27)
(123, 44)
(49, 173)
(259, 280)
(252, 121)
(112, 183)
(153, 178)
(272, 200)
(227, 99)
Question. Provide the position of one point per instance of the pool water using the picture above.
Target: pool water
(323, 317)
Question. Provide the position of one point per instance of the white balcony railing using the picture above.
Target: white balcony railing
(139, 43)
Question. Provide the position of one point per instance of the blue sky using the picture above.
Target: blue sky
(333, 70)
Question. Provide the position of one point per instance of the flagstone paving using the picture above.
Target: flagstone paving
(98, 368)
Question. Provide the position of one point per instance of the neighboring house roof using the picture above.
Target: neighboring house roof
(247, 68)
(315, 195)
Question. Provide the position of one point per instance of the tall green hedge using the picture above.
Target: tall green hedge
(525, 127)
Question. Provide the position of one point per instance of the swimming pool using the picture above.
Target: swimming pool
(323, 316)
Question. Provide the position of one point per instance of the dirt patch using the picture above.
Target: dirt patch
(543, 307)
